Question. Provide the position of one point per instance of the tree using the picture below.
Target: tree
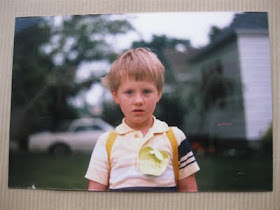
(29, 70)
(80, 39)
(47, 55)
(214, 32)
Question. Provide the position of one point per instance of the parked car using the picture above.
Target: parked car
(81, 136)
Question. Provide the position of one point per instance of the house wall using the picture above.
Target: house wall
(212, 122)
(254, 51)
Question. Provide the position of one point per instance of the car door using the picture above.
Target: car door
(85, 136)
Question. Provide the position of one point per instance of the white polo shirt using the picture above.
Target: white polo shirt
(125, 171)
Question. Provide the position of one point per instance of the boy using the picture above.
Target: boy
(141, 155)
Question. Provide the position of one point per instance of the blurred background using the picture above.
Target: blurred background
(217, 90)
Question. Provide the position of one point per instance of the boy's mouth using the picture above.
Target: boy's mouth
(137, 111)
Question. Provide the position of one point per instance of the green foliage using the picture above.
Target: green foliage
(268, 136)
(162, 42)
(267, 142)
(170, 109)
(215, 90)
(29, 65)
(112, 113)
(214, 32)
(84, 38)
(30, 68)
(47, 56)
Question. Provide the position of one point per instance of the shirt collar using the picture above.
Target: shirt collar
(157, 127)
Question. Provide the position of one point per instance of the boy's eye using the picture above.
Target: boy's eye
(128, 92)
(147, 91)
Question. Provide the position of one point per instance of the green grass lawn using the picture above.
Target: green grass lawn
(216, 174)
(46, 171)
(235, 174)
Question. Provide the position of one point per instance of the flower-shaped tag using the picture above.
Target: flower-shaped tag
(152, 161)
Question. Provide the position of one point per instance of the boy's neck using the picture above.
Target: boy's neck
(143, 127)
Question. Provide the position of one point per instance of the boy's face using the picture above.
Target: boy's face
(137, 100)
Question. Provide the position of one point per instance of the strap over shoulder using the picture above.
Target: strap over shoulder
(174, 145)
(172, 139)
(109, 144)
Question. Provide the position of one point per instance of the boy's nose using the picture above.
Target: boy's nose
(138, 99)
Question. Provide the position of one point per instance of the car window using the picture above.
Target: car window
(88, 128)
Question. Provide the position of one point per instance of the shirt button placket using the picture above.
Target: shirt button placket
(137, 139)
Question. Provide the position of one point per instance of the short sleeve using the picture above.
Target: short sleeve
(187, 162)
(98, 168)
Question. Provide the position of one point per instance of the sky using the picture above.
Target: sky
(194, 26)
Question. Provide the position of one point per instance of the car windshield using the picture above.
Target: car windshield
(88, 128)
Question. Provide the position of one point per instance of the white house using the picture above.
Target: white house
(254, 56)
(233, 76)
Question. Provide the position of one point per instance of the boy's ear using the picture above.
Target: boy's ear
(159, 96)
(114, 95)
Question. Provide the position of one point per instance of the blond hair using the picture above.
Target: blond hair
(139, 64)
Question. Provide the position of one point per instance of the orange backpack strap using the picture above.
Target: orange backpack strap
(174, 145)
(109, 144)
